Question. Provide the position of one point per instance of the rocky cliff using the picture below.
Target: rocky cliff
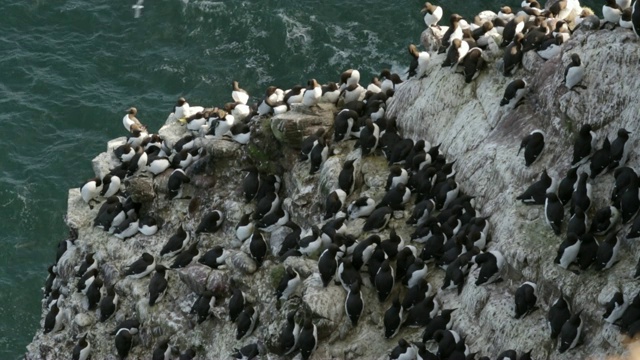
(483, 139)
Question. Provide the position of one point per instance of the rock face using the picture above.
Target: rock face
(482, 137)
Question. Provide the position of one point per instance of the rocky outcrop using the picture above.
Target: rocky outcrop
(482, 137)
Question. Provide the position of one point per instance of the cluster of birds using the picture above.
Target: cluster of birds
(581, 248)
(531, 28)
(448, 233)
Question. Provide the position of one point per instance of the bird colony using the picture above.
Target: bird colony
(353, 227)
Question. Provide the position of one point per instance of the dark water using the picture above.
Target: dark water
(69, 69)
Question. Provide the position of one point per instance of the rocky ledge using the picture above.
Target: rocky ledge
(473, 130)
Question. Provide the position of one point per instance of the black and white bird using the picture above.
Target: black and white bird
(246, 322)
(574, 72)
(568, 251)
(393, 318)
(512, 57)
(354, 305)
(186, 257)
(525, 299)
(456, 53)
(554, 212)
(403, 351)
(448, 341)
(334, 203)
(600, 160)
(364, 250)
(566, 186)
(176, 180)
(415, 272)
(258, 247)
(108, 304)
(344, 123)
(620, 147)
(608, 252)
(237, 303)
(328, 264)
(245, 227)
(362, 207)
(90, 190)
(491, 264)
(53, 322)
(611, 12)
(248, 352)
(110, 185)
(588, 251)
(440, 322)
(571, 333)
(635, 17)
(141, 267)
(162, 350)
(89, 263)
(512, 28)
(559, 313)
(82, 350)
(584, 145)
(369, 137)
(309, 143)
(581, 196)
(533, 144)
(250, 183)
(149, 225)
(578, 222)
(203, 305)
(514, 93)
(215, 257)
(124, 342)
(318, 155)
(288, 283)
(419, 61)
(536, 192)
(421, 313)
(290, 334)
(157, 285)
(432, 14)
(604, 220)
(615, 308)
(378, 219)
(211, 222)
(384, 281)
(94, 294)
(397, 197)
(176, 243)
(308, 339)
(238, 94)
(346, 179)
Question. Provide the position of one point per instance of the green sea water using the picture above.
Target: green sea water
(70, 68)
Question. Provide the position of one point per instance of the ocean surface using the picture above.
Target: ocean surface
(70, 68)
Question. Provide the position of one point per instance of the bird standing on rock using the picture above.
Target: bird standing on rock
(525, 299)
(536, 192)
(419, 61)
(239, 95)
(584, 145)
(574, 73)
(533, 144)
(554, 212)
(432, 14)
(514, 94)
